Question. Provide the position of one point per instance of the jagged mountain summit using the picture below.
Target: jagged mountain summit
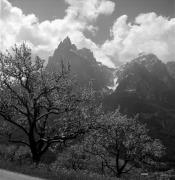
(148, 78)
(82, 63)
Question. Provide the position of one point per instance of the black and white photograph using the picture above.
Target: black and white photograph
(87, 89)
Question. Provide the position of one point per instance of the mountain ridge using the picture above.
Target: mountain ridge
(83, 65)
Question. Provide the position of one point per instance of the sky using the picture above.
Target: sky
(115, 30)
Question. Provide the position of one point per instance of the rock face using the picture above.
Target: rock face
(82, 63)
(148, 78)
(146, 86)
(171, 68)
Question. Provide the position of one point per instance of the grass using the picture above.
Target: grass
(45, 172)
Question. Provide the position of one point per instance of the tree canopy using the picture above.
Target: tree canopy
(122, 143)
(38, 108)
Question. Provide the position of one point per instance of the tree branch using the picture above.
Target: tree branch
(19, 110)
(14, 123)
(18, 142)
(52, 112)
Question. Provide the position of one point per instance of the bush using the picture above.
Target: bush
(19, 154)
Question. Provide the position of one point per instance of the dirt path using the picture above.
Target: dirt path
(7, 175)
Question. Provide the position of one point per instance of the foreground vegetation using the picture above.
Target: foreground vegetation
(46, 118)
(43, 171)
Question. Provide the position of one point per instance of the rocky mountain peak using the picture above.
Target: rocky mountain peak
(67, 41)
(87, 54)
(65, 45)
(150, 62)
(147, 77)
(82, 63)
(155, 67)
(147, 57)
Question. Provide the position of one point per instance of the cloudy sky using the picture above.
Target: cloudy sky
(115, 30)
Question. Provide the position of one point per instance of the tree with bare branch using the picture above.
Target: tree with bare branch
(39, 109)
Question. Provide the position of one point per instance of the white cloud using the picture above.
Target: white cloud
(89, 9)
(44, 36)
(150, 34)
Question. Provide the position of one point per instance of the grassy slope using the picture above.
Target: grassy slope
(44, 172)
